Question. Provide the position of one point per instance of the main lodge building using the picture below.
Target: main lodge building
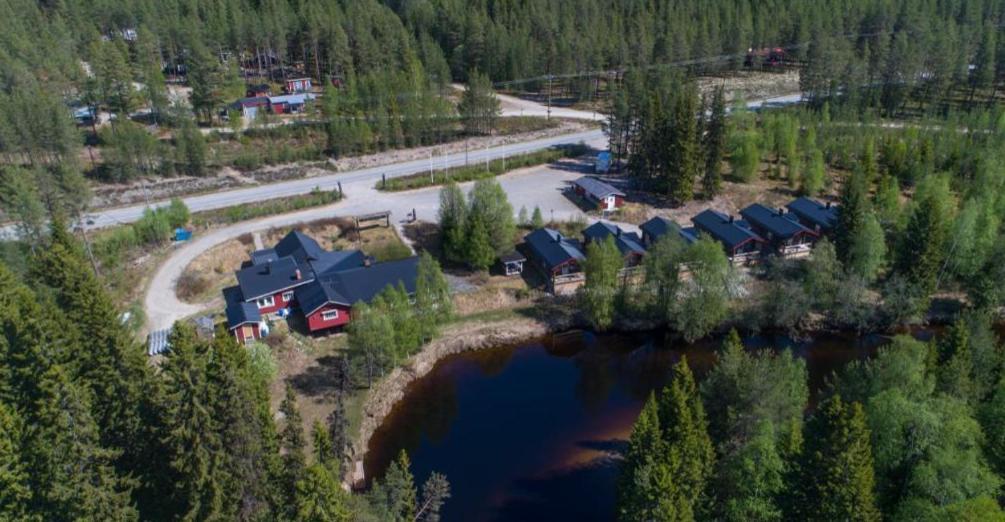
(298, 276)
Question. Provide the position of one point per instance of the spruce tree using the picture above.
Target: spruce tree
(836, 479)
(715, 145)
(645, 475)
(453, 217)
(395, 496)
(15, 487)
(684, 429)
(954, 375)
(924, 242)
(320, 497)
(72, 475)
(292, 443)
(852, 214)
(684, 147)
(480, 253)
(195, 449)
(536, 219)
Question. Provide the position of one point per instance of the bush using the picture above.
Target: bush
(191, 285)
(153, 227)
(391, 251)
(263, 363)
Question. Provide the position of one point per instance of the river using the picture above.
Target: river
(531, 433)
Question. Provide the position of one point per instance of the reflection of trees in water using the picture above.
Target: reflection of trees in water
(491, 362)
(560, 496)
(429, 407)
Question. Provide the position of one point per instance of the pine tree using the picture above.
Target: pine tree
(479, 106)
(435, 491)
(324, 451)
(837, 480)
(715, 145)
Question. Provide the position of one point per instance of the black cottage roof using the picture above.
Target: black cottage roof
(238, 311)
(553, 248)
(348, 287)
(627, 242)
(597, 188)
(777, 222)
(723, 228)
(268, 278)
(659, 226)
(814, 212)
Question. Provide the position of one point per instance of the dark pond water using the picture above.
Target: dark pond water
(529, 433)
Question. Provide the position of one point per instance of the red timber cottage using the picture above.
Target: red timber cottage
(596, 192)
(628, 243)
(558, 257)
(300, 277)
(782, 231)
(741, 243)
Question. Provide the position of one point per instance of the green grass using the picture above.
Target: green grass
(476, 172)
(226, 216)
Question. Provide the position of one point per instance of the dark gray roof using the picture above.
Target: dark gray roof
(553, 248)
(300, 246)
(777, 222)
(348, 287)
(253, 101)
(597, 188)
(327, 262)
(239, 312)
(720, 227)
(268, 278)
(627, 242)
(814, 212)
(264, 256)
(659, 226)
(512, 257)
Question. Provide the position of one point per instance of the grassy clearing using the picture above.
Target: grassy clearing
(476, 172)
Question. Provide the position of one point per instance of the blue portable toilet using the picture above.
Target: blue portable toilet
(182, 234)
(603, 164)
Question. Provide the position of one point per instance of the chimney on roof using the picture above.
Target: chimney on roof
(267, 267)
(781, 210)
(367, 261)
(730, 218)
(828, 205)
(297, 275)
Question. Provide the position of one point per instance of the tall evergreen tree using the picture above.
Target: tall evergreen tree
(852, 214)
(837, 479)
(684, 428)
(292, 443)
(645, 474)
(684, 147)
(715, 145)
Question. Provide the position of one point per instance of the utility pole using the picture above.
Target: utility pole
(431, 167)
(465, 152)
(549, 97)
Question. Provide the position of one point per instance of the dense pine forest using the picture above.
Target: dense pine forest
(902, 127)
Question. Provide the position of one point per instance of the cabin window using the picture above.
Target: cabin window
(266, 302)
(329, 315)
(288, 296)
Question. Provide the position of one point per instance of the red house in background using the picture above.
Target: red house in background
(298, 276)
(298, 85)
(604, 196)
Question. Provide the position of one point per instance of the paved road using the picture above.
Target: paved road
(537, 186)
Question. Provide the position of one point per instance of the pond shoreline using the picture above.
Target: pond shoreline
(382, 399)
(391, 389)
